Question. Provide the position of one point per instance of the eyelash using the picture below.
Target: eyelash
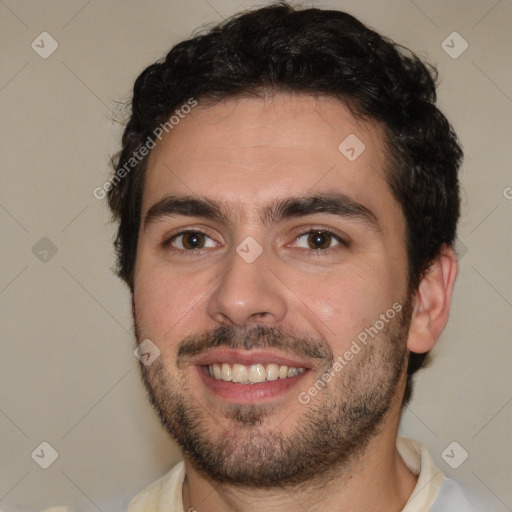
(167, 244)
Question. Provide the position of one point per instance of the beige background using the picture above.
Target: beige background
(68, 374)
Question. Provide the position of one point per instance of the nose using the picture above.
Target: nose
(247, 294)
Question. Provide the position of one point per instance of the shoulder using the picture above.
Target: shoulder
(434, 491)
(166, 490)
(456, 497)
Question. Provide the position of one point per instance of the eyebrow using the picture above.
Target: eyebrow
(276, 211)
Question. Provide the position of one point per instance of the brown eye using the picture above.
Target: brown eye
(188, 241)
(319, 240)
(193, 240)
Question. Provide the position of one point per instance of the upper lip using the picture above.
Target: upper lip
(247, 357)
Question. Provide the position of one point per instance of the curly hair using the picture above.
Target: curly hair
(318, 52)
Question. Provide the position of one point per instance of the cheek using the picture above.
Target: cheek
(330, 304)
(165, 304)
(343, 305)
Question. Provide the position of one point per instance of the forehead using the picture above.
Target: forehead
(248, 151)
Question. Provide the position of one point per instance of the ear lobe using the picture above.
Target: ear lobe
(432, 302)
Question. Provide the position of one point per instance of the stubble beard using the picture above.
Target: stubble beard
(331, 433)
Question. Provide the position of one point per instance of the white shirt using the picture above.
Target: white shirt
(434, 492)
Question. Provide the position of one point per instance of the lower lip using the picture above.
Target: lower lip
(249, 393)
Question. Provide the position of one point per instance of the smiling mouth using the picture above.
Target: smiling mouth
(251, 374)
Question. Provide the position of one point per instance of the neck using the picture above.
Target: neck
(378, 480)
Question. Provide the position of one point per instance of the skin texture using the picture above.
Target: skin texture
(338, 451)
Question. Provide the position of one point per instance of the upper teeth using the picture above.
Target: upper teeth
(254, 373)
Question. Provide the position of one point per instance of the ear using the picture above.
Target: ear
(432, 302)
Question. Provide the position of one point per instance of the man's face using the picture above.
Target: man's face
(267, 287)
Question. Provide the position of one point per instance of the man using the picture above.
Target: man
(287, 194)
